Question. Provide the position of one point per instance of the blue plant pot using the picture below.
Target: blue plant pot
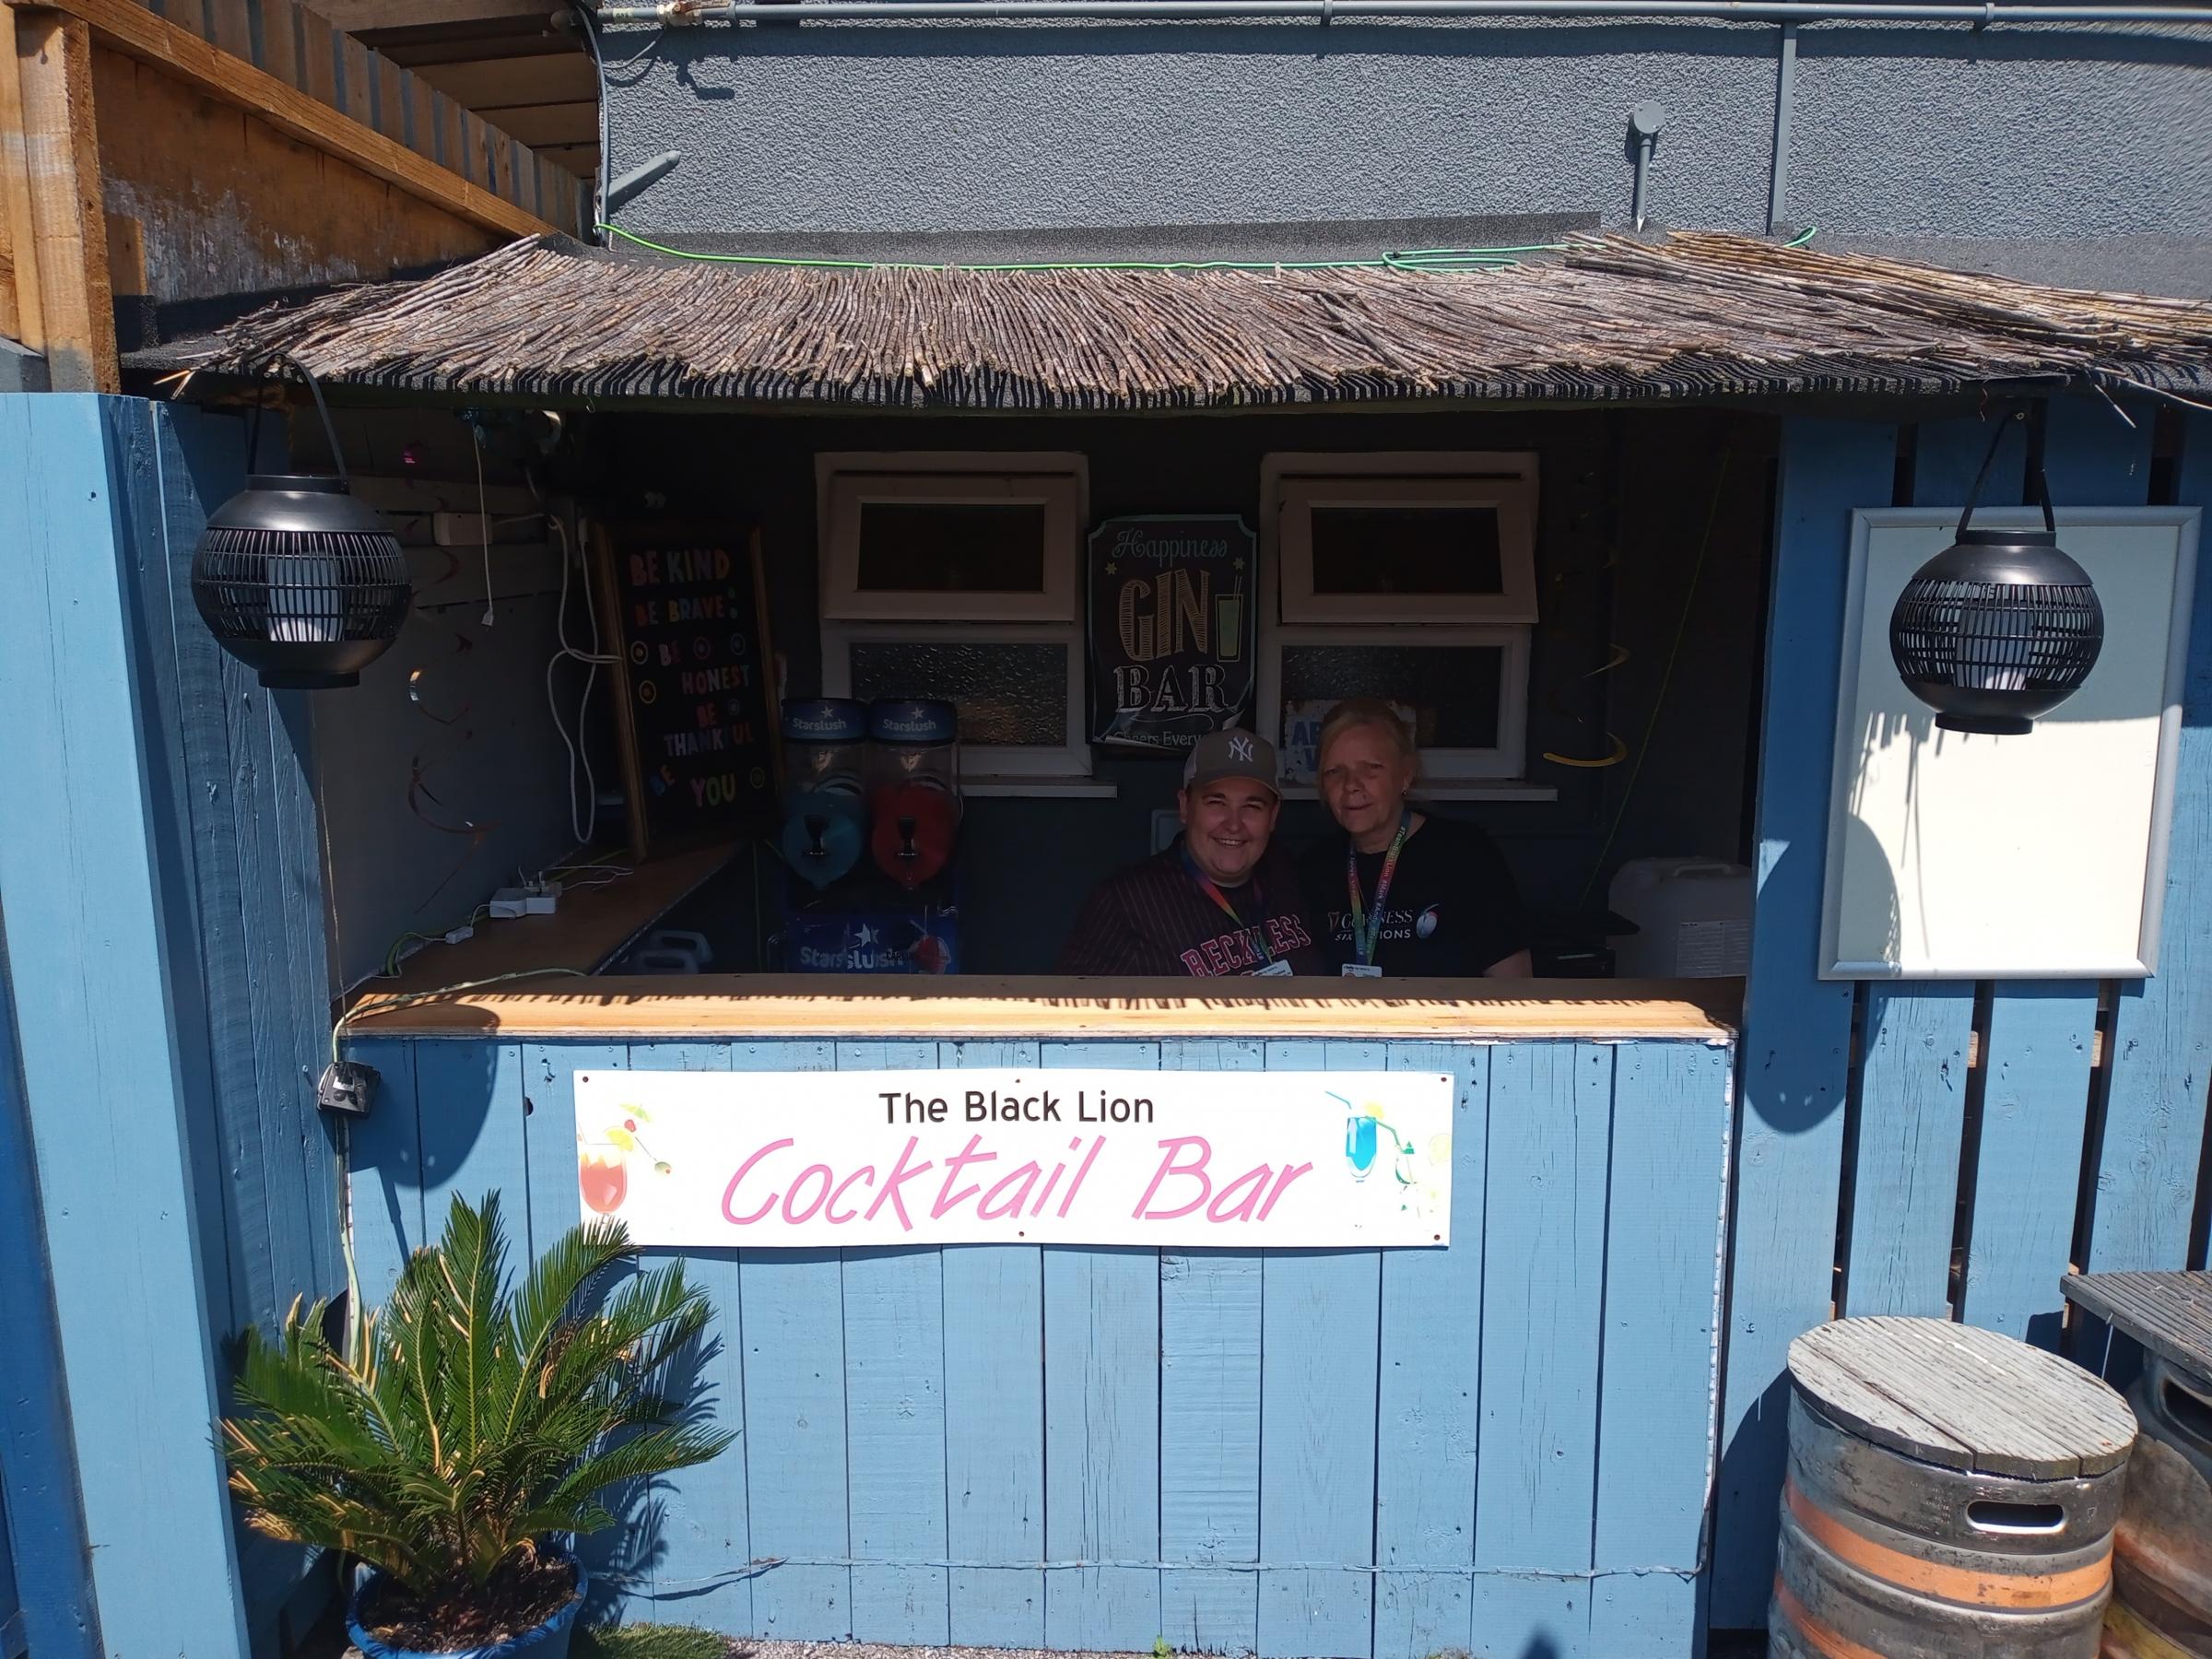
(548, 1641)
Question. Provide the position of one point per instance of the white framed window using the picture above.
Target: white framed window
(959, 575)
(951, 537)
(1409, 577)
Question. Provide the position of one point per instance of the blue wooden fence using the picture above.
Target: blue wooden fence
(12, 1639)
(1880, 1172)
(1503, 1447)
(162, 890)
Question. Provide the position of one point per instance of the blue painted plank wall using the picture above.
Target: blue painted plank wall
(2161, 1040)
(106, 1075)
(1209, 1421)
(1665, 1218)
(1101, 1424)
(795, 1471)
(1428, 1410)
(1913, 1074)
(1797, 1027)
(1544, 1258)
(239, 840)
(993, 1420)
(1321, 1323)
(1280, 1451)
(42, 1517)
(700, 1572)
(895, 1423)
(12, 1638)
(2042, 1034)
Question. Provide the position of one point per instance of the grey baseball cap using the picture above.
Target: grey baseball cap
(1230, 754)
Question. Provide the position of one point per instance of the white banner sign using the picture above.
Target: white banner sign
(1231, 1159)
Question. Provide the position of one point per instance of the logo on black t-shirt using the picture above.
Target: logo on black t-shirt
(1427, 923)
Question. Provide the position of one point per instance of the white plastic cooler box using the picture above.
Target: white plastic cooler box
(1693, 918)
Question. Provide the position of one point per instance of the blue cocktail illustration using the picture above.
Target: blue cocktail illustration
(1363, 1133)
(1360, 1143)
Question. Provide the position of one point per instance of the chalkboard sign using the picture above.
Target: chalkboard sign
(694, 682)
(1170, 629)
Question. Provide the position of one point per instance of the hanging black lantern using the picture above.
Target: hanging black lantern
(2001, 626)
(298, 579)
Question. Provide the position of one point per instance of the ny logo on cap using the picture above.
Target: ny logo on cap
(1239, 746)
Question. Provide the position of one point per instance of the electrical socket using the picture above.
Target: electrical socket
(510, 902)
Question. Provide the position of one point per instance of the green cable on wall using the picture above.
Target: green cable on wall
(1444, 260)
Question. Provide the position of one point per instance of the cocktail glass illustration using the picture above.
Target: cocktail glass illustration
(1363, 1133)
(603, 1174)
(1360, 1144)
(603, 1165)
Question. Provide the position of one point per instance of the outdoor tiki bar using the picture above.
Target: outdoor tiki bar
(1264, 934)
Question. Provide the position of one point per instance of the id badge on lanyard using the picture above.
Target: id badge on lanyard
(1367, 930)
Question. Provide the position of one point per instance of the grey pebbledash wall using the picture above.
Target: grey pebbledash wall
(1900, 131)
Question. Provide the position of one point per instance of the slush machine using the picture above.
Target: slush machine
(869, 830)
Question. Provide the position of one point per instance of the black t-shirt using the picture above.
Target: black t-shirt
(1452, 910)
(1153, 918)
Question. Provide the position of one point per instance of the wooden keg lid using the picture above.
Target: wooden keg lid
(1964, 1398)
(2169, 1314)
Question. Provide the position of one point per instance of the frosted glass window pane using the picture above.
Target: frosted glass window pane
(1453, 689)
(1007, 694)
(1407, 551)
(954, 547)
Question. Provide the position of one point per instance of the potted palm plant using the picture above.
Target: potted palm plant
(466, 1431)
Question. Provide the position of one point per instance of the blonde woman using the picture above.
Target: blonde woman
(1399, 892)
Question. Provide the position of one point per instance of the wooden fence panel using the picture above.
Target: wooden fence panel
(97, 932)
(2148, 1173)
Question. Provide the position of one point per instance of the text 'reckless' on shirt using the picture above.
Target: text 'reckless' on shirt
(1153, 918)
(1452, 910)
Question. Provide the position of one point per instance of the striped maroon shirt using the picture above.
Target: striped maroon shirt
(1154, 919)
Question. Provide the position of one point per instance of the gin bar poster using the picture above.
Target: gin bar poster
(1170, 629)
(811, 1160)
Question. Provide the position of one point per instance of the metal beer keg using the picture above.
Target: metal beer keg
(1951, 1491)
(2162, 1560)
(2162, 1553)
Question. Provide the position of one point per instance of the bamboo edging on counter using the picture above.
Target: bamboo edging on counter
(696, 1007)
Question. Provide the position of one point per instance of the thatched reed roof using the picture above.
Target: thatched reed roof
(1612, 318)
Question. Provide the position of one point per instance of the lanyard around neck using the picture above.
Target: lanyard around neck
(1256, 932)
(1367, 930)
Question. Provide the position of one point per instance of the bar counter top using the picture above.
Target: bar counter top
(815, 1005)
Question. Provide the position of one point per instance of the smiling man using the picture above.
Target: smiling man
(1221, 901)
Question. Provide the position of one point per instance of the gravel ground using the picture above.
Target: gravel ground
(877, 1650)
(1724, 1645)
